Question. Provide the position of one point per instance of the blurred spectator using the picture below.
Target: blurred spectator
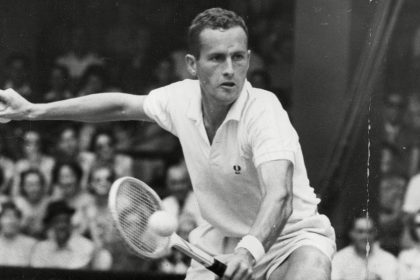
(413, 146)
(391, 194)
(393, 116)
(181, 200)
(101, 227)
(64, 248)
(135, 72)
(411, 203)
(33, 158)
(95, 79)
(66, 183)
(32, 201)
(103, 146)
(15, 248)
(391, 159)
(58, 84)
(409, 259)
(17, 75)
(79, 57)
(67, 149)
(363, 259)
(7, 167)
(163, 73)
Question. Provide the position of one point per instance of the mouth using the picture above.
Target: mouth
(228, 85)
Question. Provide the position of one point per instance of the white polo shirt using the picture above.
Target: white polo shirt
(224, 174)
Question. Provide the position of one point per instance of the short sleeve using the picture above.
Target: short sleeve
(157, 107)
(412, 196)
(272, 136)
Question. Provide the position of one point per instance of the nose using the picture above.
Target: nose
(228, 70)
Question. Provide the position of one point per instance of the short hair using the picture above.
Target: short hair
(9, 205)
(25, 174)
(74, 166)
(213, 18)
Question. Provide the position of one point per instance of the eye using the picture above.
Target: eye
(238, 57)
(216, 58)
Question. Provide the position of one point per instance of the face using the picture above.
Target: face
(103, 147)
(33, 187)
(222, 65)
(68, 142)
(31, 143)
(61, 226)
(10, 223)
(101, 181)
(363, 231)
(178, 182)
(394, 108)
(67, 180)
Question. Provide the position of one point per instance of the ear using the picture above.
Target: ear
(191, 62)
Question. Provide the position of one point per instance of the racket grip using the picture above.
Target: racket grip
(218, 268)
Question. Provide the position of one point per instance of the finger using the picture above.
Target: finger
(243, 272)
(230, 270)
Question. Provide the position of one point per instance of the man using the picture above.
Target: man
(15, 247)
(180, 200)
(356, 262)
(242, 153)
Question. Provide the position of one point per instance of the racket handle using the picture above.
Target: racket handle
(218, 268)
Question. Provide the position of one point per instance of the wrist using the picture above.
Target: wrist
(252, 246)
(246, 254)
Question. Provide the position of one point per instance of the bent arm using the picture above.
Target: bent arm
(90, 108)
(276, 179)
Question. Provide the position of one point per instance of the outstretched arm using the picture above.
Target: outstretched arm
(90, 108)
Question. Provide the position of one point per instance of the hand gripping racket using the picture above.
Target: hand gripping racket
(131, 203)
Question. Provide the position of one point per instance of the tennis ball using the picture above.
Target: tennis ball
(163, 223)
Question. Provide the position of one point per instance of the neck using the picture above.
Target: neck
(214, 114)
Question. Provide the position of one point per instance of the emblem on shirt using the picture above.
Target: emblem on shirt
(237, 169)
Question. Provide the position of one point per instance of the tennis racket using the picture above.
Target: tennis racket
(131, 203)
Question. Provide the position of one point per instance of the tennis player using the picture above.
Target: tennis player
(242, 153)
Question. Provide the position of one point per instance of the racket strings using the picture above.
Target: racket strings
(134, 206)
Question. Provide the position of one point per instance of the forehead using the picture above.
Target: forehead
(363, 223)
(223, 40)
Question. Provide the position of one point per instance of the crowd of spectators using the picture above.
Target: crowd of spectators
(55, 175)
(386, 245)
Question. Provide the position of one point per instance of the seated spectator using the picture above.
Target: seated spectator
(66, 186)
(59, 84)
(15, 248)
(68, 149)
(7, 167)
(409, 259)
(391, 194)
(18, 70)
(32, 201)
(79, 57)
(393, 118)
(163, 73)
(101, 228)
(181, 200)
(33, 158)
(64, 248)
(95, 79)
(103, 146)
(363, 259)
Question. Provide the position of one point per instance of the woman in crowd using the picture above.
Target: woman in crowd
(32, 201)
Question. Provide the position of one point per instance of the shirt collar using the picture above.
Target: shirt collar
(195, 112)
